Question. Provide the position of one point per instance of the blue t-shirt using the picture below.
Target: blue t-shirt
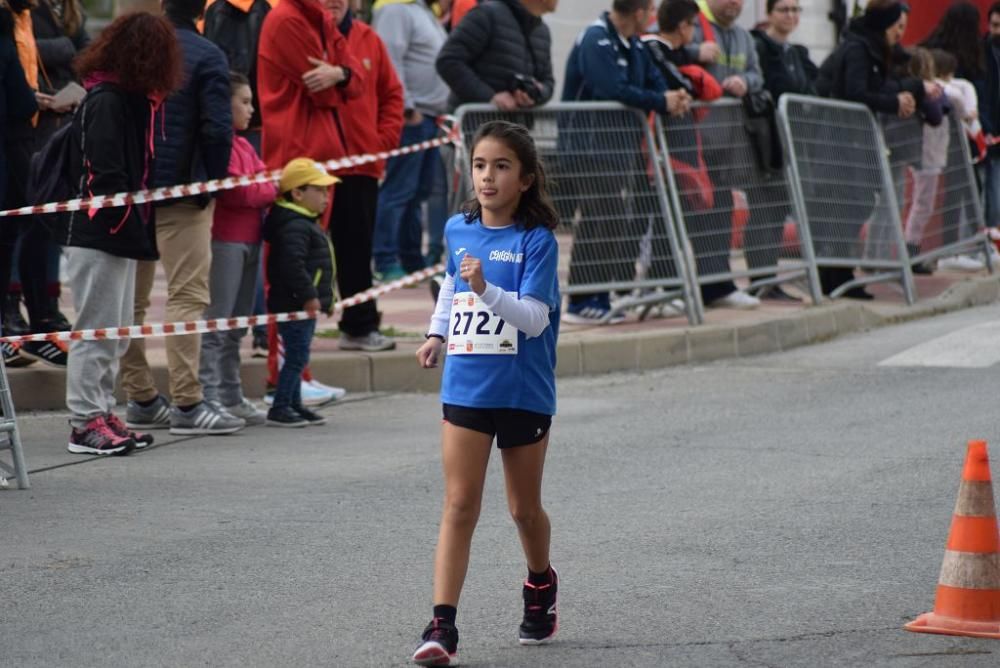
(520, 261)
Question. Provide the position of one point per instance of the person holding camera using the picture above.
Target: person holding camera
(501, 53)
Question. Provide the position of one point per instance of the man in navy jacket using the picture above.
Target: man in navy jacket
(609, 62)
(194, 135)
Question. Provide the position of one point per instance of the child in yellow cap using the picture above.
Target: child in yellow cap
(300, 271)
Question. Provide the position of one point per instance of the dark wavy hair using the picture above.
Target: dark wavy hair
(139, 50)
(535, 207)
(958, 34)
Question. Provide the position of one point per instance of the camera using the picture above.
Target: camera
(529, 85)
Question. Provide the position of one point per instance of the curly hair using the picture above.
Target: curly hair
(958, 34)
(140, 51)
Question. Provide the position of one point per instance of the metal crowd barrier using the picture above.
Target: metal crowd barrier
(612, 199)
(844, 191)
(732, 200)
(942, 210)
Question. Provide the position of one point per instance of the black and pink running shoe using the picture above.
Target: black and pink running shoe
(439, 645)
(541, 616)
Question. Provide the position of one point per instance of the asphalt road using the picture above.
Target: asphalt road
(787, 510)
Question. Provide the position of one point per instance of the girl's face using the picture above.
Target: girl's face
(784, 17)
(496, 174)
(242, 104)
(894, 35)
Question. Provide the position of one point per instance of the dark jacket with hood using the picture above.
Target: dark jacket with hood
(861, 70)
(787, 68)
(113, 127)
(494, 42)
(300, 262)
(194, 131)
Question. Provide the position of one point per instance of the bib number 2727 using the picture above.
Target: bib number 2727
(475, 330)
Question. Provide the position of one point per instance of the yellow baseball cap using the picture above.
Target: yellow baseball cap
(304, 172)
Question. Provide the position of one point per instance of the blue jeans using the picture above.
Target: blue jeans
(991, 191)
(409, 180)
(437, 210)
(297, 336)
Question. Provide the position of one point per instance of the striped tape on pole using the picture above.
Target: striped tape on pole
(219, 324)
(217, 185)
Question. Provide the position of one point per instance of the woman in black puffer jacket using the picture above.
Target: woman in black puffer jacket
(501, 53)
(864, 69)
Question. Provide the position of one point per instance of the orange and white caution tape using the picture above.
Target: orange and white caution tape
(228, 183)
(220, 324)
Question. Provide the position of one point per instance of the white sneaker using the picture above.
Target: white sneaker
(337, 392)
(736, 299)
(961, 263)
(314, 393)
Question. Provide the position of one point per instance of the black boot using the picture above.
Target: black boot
(922, 267)
(56, 321)
(14, 323)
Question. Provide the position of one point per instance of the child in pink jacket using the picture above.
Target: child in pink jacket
(236, 240)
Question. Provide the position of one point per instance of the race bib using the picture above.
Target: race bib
(476, 330)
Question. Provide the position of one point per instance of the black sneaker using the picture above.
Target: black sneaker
(314, 419)
(541, 617)
(438, 645)
(285, 417)
(12, 356)
(53, 353)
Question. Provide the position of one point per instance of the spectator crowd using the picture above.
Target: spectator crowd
(234, 87)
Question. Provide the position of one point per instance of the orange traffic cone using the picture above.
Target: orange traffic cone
(968, 591)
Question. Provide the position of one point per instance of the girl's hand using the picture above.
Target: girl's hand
(429, 353)
(312, 306)
(907, 105)
(471, 271)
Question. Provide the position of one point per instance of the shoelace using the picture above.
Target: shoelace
(102, 428)
(536, 608)
(438, 633)
(117, 426)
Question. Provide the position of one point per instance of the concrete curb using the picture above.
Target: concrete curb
(587, 353)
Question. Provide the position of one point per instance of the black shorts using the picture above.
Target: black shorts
(511, 426)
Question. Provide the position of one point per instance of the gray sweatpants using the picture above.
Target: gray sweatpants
(232, 283)
(104, 294)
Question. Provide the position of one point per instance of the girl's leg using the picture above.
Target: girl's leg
(465, 454)
(522, 470)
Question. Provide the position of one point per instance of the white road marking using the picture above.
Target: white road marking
(976, 347)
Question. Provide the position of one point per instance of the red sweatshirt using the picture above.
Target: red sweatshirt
(239, 212)
(374, 121)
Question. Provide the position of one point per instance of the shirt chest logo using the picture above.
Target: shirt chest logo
(506, 256)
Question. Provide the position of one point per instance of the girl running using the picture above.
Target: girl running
(498, 311)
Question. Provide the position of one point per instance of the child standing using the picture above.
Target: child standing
(236, 235)
(498, 310)
(300, 274)
(933, 159)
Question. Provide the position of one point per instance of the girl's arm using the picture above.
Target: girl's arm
(442, 310)
(526, 313)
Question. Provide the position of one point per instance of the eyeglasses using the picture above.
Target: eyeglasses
(788, 10)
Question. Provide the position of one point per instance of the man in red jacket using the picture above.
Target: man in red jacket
(372, 122)
(305, 77)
